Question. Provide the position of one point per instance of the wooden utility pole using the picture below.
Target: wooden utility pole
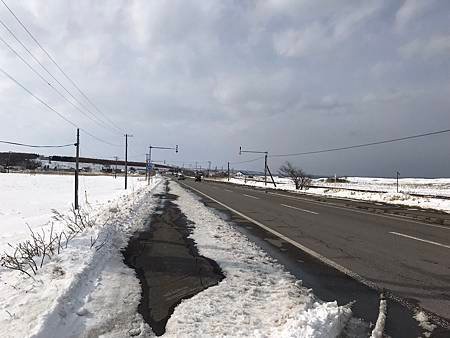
(273, 181)
(265, 169)
(398, 174)
(126, 159)
(77, 167)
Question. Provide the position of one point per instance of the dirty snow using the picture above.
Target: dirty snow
(377, 332)
(424, 322)
(257, 298)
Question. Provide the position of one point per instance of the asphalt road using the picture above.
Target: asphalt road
(410, 258)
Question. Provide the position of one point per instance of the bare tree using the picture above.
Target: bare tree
(297, 175)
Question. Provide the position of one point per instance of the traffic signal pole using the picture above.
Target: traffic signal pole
(265, 160)
(150, 157)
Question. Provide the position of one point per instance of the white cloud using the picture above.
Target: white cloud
(293, 43)
(327, 32)
(436, 46)
(217, 73)
(410, 11)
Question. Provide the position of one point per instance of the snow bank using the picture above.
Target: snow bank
(257, 298)
(81, 292)
(384, 190)
(378, 330)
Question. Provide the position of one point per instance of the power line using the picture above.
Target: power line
(364, 144)
(60, 68)
(38, 146)
(47, 82)
(54, 110)
(248, 161)
(96, 120)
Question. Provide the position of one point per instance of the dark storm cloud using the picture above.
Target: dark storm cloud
(286, 76)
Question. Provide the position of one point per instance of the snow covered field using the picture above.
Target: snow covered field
(424, 186)
(384, 190)
(29, 199)
(80, 291)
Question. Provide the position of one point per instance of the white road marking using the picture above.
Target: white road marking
(228, 190)
(419, 239)
(294, 243)
(300, 209)
(256, 198)
(332, 205)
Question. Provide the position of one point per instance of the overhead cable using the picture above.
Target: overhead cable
(37, 146)
(364, 144)
(54, 110)
(60, 68)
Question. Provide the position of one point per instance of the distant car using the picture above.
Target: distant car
(181, 177)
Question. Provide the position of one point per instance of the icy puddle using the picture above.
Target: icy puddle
(168, 264)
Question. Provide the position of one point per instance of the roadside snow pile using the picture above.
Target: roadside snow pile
(384, 190)
(80, 291)
(258, 297)
(424, 323)
(377, 332)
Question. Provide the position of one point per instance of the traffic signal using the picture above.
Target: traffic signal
(176, 148)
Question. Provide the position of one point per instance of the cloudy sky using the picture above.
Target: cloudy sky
(284, 76)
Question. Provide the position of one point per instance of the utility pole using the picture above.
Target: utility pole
(77, 164)
(209, 167)
(398, 174)
(265, 169)
(228, 171)
(265, 160)
(126, 159)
